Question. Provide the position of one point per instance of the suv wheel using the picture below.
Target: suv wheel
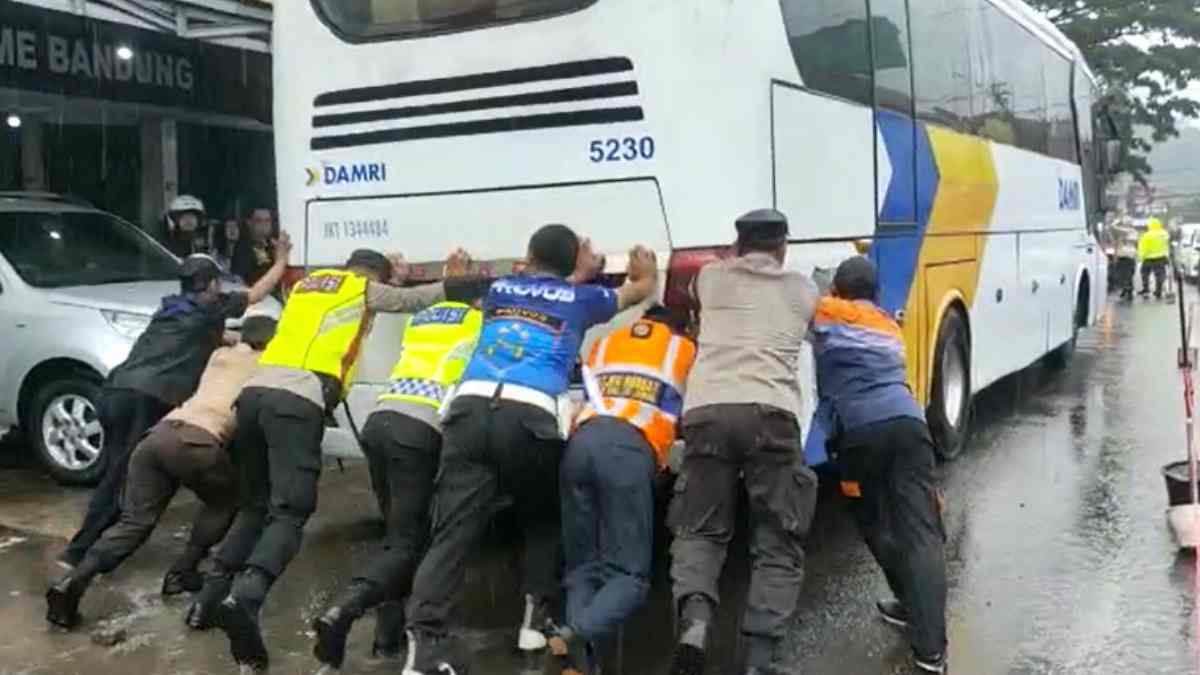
(65, 430)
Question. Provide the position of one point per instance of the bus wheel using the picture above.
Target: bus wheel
(1060, 358)
(950, 398)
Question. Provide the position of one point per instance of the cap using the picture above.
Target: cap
(762, 224)
(199, 269)
(856, 279)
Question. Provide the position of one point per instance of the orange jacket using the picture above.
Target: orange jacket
(638, 374)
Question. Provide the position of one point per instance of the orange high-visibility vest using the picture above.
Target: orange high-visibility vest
(638, 374)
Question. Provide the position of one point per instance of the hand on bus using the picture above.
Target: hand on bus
(283, 248)
(400, 268)
(641, 277)
(588, 265)
(457, 264)
(642, 264)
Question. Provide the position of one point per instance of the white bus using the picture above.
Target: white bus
(962, 142)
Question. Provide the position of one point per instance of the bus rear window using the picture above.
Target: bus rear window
(375, 19)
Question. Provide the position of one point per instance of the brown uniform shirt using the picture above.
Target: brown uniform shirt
(211, 407)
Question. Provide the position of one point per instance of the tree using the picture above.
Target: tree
(1146, 53)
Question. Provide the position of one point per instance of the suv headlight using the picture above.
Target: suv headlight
(127, 324)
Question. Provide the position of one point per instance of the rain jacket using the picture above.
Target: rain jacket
(1155, 244)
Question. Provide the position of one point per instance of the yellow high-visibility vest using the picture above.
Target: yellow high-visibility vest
(438, 344)
(323, 326)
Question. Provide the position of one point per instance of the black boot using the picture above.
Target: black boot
(432, 655)
(389, 631)
(691, 651)
(178, 582)
(62, 600)
(333, 627)
(237, 616)
(762, 655)
(203, 610)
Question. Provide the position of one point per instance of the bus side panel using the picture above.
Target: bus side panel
(996, 329)
(824, 164)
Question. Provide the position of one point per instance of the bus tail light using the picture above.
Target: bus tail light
(682, 269)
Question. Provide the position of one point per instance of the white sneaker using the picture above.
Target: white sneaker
(531, 638)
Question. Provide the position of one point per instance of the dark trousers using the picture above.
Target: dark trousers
(125, 415)
(1125, 270)
(758, 447)
(277, 454)
(607, 483)
(490, 450)
(1158, 268)
(402, 455)
(890, 465)
(174, 453)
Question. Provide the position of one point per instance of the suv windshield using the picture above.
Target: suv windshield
(55, 250)
(366, 19)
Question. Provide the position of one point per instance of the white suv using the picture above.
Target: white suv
(77, 287)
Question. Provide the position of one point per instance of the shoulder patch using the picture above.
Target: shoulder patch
(642, 330)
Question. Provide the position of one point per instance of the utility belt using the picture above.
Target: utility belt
(560, 407)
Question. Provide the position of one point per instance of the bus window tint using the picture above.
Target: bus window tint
(830, 42)
(941, 31)
(889, 36)
(1018, 93)
(1061, 136)
(365, 19)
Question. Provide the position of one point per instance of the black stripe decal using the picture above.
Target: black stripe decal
(502, 125)
(497, 78)
(591, 93)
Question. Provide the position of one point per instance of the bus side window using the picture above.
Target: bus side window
(894, 110)
(830, 42)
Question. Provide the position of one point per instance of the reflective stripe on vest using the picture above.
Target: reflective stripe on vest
(438, 344)
(323, 326)
(638, 374)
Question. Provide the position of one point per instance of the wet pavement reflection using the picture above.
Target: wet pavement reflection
(1060, 556)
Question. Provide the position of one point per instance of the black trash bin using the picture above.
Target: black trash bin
(1178, 491)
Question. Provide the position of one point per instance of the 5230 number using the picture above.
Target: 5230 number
(628, 149)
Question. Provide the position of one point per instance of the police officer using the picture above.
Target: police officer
(306, 370)
(635, 381)
(740, 427)
(161, 372)
(187, 448)
(503, 434)
(402, 440)
(884, 454)
(1154, 252)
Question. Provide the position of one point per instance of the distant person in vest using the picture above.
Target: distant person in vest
(635, 381)
(884, 454)
(186, 448)
(162, 370)
(306, 371)
(187, 226)
(504, 431)
(1154, 252)
(402, 440)
(741, 430)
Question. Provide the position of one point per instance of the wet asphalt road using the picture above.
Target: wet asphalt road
(1060, 556)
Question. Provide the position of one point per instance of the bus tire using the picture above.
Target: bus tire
(1061, 357)
(950, 396)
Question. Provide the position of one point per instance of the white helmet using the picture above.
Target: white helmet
(186, 203)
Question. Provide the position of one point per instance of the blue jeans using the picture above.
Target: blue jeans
(607, 482)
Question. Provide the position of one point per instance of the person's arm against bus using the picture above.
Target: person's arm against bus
(640, 280)
(588, 265)
(263, 287)
(399, 300)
